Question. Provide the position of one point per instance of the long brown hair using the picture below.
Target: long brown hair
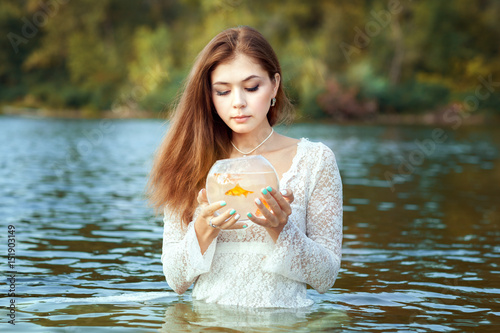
(197, 136)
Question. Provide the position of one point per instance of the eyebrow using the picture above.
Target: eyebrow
(245, 80)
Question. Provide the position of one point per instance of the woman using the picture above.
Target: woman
(232, 98)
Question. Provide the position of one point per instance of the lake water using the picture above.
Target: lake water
(421, 250)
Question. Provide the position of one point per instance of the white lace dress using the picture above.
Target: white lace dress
(245, 267)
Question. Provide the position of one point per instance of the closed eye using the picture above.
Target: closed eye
(222, 93)
(254, 88)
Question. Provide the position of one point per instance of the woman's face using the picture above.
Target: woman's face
(242, 93)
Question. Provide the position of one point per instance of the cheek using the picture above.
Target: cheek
(263, 103)
(264, 98)
(217, 105)
(221, 108)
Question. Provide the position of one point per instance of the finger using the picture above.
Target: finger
(231, 223)
(221, 220)
(268, 202)
(272, 203)
(256, 220)
(288, 195)
(209, 210)
(269, 216)
(282, 201)
(202, 197)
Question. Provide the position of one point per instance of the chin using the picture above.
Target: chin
(242, 128)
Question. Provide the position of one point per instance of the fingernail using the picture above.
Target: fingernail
(283, 192)
(237, 217)
(257, 201)
(232, 212)
(244, 226)
(269, 188)
(264, 191)
(223, 203)
(249, 214)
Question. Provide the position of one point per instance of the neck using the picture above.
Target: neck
(246, 142)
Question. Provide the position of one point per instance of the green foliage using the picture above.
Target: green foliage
(408, 96)
(413, 96)
(416, 56)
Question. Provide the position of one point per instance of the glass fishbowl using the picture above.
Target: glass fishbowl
(239, 181)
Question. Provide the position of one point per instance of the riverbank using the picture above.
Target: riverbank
(76, 114)
(438, 118)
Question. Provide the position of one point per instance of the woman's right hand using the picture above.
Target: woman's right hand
(225, 220)
(206, 233)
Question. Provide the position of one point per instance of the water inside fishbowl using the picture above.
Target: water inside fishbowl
(239, 181)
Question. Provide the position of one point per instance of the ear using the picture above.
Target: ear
(277, 79)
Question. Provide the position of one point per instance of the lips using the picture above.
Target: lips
(240, 119)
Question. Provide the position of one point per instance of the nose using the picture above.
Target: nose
(239, 99)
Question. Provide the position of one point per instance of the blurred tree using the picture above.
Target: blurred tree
(398, 55)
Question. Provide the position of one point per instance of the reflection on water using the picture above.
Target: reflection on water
(199, 316)
(421, 232)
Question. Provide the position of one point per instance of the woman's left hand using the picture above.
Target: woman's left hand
(275, 213)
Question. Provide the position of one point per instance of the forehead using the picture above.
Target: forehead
(237, 70)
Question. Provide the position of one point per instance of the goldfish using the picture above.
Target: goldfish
(237, 190)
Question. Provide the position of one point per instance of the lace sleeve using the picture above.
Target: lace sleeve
(181, 254)
(314, 258)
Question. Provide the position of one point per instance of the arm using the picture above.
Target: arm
(188, 252)
(314, 257)
(182, 257)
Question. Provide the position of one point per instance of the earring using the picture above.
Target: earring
(273, 102)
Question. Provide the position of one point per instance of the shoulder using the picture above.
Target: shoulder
(317, 161)
(316, 151)
(320, 166)
(285, 143)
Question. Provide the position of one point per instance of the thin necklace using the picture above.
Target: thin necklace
(251, 151)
